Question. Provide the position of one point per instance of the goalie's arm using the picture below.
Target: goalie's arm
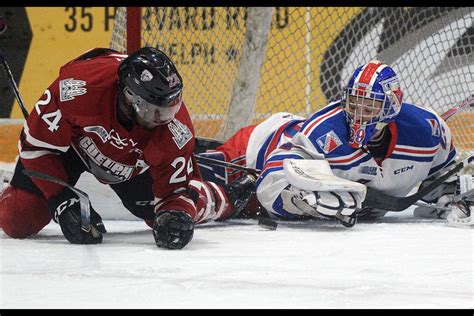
(272, 182)
(295, 182)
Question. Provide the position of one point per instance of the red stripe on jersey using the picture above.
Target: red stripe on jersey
(275, 139)
(319, 119)
(272, 164)
(416, 151)
(347, 159)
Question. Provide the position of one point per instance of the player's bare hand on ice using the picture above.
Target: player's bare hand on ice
(66, 211)
(173, 229)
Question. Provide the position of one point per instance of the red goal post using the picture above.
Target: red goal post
(240, 65)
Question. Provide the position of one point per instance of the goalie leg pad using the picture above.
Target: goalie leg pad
(22, 213)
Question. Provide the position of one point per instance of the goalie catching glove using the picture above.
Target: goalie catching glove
(65, 210)
(314, 190)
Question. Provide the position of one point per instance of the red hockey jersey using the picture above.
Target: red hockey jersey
(79, 109)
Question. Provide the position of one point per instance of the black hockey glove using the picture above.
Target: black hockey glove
(173, 229)
(66, 210)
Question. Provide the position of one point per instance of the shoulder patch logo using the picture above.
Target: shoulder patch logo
(434, 127)
(328, 142)
(181, 133)
(71, 88)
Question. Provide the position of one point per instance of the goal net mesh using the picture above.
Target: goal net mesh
(308, 56)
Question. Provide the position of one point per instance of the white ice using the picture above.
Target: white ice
(397, 262)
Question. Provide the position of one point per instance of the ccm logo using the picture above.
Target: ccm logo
(398, 171)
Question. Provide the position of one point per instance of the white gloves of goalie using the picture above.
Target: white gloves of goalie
(327, 204)
(315, 190)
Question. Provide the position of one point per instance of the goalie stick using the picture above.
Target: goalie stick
(83, 197)
(467, 103)
(379, 200)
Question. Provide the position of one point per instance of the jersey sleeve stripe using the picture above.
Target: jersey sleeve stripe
(38, 143)
(351, 165)
(347, 159)
(35, 154)
(311, 126)
(412, 149)
(451, 156)
(275, 139)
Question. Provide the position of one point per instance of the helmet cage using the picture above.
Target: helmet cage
(372, 112)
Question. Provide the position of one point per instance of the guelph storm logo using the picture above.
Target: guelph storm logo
(102, 167)
(71, 88)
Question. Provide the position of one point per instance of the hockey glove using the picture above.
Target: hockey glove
(173, 229)
(66, 211)
(340, 205)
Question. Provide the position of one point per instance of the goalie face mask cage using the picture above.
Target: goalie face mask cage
(372, 96)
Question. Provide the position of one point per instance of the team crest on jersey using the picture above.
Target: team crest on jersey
(105, 136)
(181, 133)
(434, 127)
(328, 142)
(70, 88)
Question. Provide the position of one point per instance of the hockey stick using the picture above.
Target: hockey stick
(215, 162)
(379, 200)
(83, 197)
(467, 103)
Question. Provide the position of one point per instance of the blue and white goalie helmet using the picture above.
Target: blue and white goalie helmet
(371, 99)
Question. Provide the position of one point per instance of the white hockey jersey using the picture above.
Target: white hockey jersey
(420, 145)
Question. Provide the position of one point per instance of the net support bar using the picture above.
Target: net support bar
(246, 86)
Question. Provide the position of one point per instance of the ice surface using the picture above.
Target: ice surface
(397, 262)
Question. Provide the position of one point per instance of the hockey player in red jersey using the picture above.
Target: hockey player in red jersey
(122, 119)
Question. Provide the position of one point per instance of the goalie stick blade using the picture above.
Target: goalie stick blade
(379, 200)
(83, 197)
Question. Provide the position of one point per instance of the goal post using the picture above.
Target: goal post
(304, 57)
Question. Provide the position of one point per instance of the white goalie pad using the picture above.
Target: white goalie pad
(316, 175)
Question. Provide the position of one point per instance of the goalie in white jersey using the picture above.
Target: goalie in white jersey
(368, 138)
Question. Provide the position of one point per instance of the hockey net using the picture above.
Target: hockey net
(240, 65)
